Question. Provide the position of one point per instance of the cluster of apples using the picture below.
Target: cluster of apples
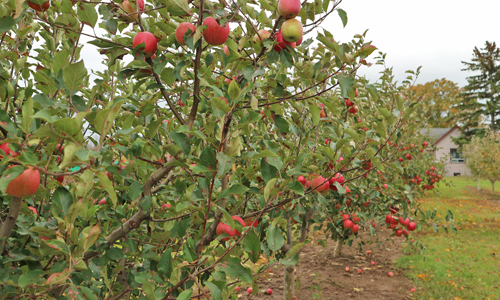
(291, 32)
(133, 12)
(351, 107)
(25, 184)
(321, 185)
(351, 223)
(393, 222)
(225, 228)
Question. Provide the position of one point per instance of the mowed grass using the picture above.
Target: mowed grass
(465, 265)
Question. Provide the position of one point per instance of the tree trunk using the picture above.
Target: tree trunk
(478, 186)
(289, 282)
(493, 186)
(338, 248)
(10, 222)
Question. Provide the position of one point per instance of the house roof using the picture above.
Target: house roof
(438, 133)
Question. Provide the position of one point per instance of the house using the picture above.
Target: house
(443, 146)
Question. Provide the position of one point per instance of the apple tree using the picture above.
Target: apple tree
(216, 132)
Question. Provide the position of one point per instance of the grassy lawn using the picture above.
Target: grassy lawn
(465, 265)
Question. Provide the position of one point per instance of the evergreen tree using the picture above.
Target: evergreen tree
(481, 96)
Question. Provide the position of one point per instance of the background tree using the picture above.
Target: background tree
(482, 156)
(439, 99)
(481, 96)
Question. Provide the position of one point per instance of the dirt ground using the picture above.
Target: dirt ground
(320, 276)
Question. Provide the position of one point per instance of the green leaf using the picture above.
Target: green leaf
(346, 84)
(365, 51)
(233, 90)
(296, 187)
(69, 153)
(73, 76)
(343, 16)
(352, 133)
(220, 103)
(181, 140)
(146, 202)
(30, 277)
(135, 190)
(27, 115)
(105, 119)
(214, 291)
(186, 295)
(268, 171)
(6, 23)
(269, 187)
(235, 270)
(290, 260)
(87, 14)
(373, 91)
(315, 113)
(63, 199)
(165, 264)
(108, 186)
(92, 237)
(275, 239)
(252, 246)
(385, 112)
(114, 253)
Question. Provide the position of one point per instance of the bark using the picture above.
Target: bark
(478, 186)
(337, 252)
(10, 221)
(493, 186)
(289, 283)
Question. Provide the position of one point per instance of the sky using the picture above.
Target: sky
(435, 34)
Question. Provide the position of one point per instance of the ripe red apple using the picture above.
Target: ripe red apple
(399, 232)
(353, 110)
(390, 274)
(349, 103)
(355, 228)
(360, 271)
(39, 5)
(367, 165)
(373, 263)
(348, 224)
(413, 290)
(33, 210)
(347, 269)
(368, 252)
(181, 30)
(250, 290)
(424, 144)
(302, 180)
(400, 159)
(281, 42)
(215, 34)
(320, 185)
(60, 179)
(237, 288)
(292, 30)
(345, 217)
(412, 226)
(261, 35)
(269, 291)
(149, 41)
(6, 149)
(165, 206)
(289, 8)
(226, 50)
(308, 184)
(102, 202)
(25, 184)
(405, 232)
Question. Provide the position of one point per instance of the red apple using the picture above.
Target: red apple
(349, 103)
(289, 8)
(237, 288)
(360, 271)
(373, 263)
(347, 269)
(412, 226)
(368, 252)
(215, 34)
(33, 210)
(348, 224)
(269, 291)
(181, 31)
(60, 179)
(165, 206)
(299, 41)
(390, 274)
(226, 50)
(6, 149)
(149, 41)
(281, 42)
(250, 290)
(353, 110)
(320, 185)
(301, 179)
(102, 202)
(292, 30)
(261, 35)
(25, 184)
(355, 228)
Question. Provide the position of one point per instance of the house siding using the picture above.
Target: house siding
(443, 150)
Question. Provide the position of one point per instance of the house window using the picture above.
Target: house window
(455, 156)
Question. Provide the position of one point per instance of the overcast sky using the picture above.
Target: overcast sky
(435, 34)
